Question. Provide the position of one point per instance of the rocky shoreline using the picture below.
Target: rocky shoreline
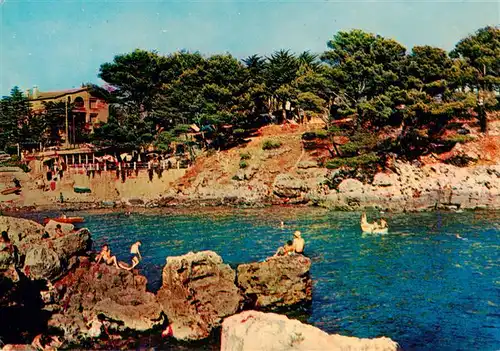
(74, 302)
(405, 188)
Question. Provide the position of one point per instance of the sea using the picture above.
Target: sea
(431, 283)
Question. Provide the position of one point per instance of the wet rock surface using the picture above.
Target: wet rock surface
(278, 282)
(198, 291)
(252, 330)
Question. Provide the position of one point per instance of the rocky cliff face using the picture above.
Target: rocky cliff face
(412, 188)
(252, 330)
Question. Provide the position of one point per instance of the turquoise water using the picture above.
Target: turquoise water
(419, 285)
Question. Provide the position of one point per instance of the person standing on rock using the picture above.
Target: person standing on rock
(298, 242)
(136, 257)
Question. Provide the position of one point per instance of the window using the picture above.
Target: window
(79, 102)
(93, 103)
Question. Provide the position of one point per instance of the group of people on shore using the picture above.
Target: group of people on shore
(106, 256)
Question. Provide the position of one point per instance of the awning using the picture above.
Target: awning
(108, 158)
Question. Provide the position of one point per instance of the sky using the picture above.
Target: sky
(59, 44)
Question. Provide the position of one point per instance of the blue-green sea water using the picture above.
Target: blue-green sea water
(420, 285)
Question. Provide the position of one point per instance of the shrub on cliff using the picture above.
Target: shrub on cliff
(361, 161)
(270, 144)
(319, 134)
(245, 156)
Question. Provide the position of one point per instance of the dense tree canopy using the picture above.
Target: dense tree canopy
(375, 81)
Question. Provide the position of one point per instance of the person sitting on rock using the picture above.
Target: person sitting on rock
(5, 244)
(59, 231)
(105, 255)
(287, 249)
(298, 242)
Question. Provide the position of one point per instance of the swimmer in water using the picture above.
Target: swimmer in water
(459, 237)
(282, 225)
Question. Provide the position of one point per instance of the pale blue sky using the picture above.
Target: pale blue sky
(60, 44)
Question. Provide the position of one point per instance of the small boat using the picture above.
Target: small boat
(372, 228)
(11, 190)
(65, 220)
(377, 231)
(81, 189)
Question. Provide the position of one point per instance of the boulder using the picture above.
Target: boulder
(66, 228)
(286, 185)
(19, 347)
(22, 232)
(42, 262)
(50, 258)
(384, 179)
(246, 173)
(198, 291)
(72, 244)
(94, 296)
(252, 330)
(350, 185)
(279, 281)
(6, 259)
(307, 164)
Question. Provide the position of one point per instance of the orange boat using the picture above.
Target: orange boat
(64, 220)
(11, 190)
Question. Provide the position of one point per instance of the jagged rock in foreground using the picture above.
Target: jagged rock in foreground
(198, 291)
(43, 258)
(22, 232)
(278, 282)
(252, 330)
(21, 316)
(51, 258)
(96, 297)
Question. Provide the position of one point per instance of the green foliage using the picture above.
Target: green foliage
(270, 144)
(460, 160)
(361, 161)
(14, 112)
(368, 79)
(245, 156)
(458, 138)
(319, 134)
(243, 164)
(359, 142)
(16, 163)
